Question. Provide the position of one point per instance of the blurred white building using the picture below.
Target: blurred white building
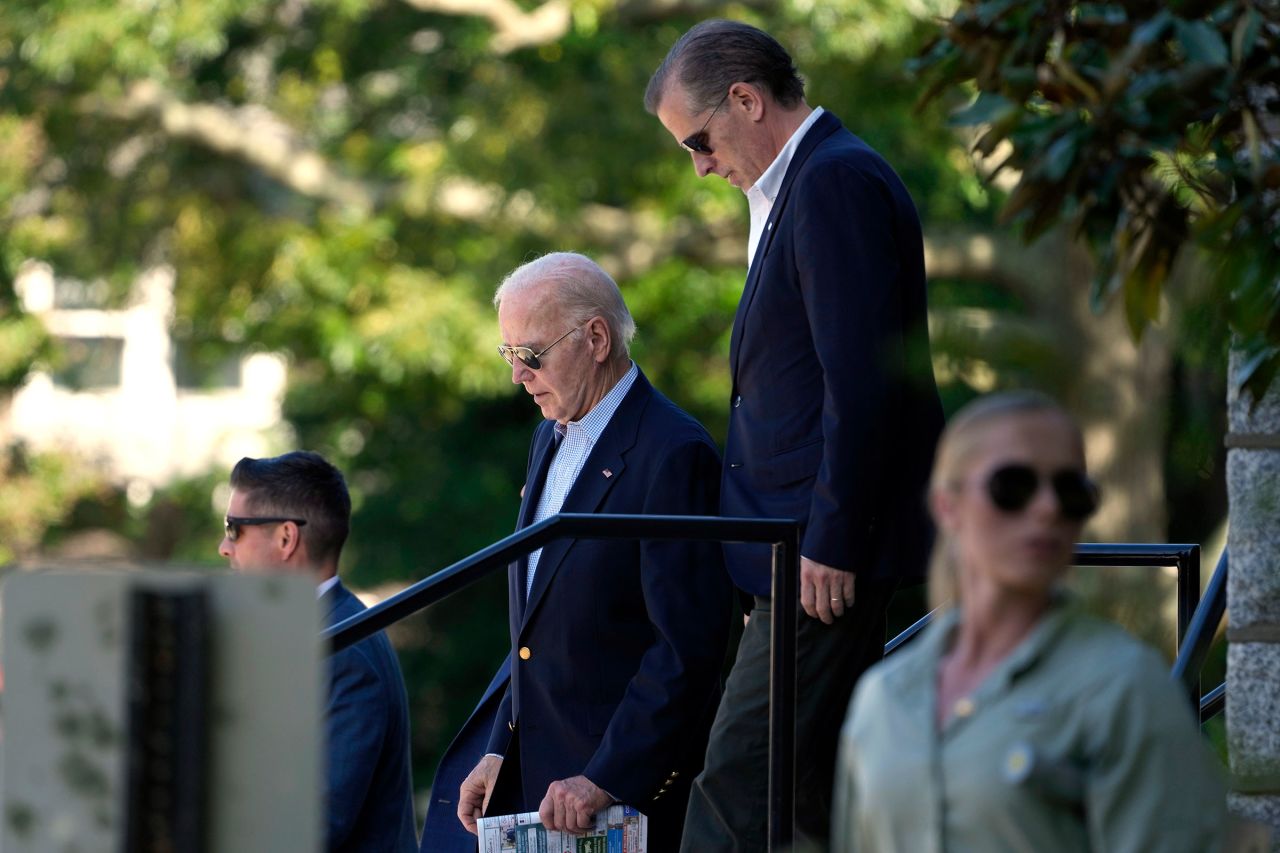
(122, 396)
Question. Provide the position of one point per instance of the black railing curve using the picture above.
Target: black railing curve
(1198, 637)
(781, 533)
(1197, 620)
(1185, 557)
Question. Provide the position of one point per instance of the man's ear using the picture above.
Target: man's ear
(748, 99)
(289, 540)
(601, 341)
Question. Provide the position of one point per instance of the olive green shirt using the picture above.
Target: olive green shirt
(1077, 741)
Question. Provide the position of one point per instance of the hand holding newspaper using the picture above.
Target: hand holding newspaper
(618, 829)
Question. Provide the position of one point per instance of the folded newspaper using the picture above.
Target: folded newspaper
(619, 829)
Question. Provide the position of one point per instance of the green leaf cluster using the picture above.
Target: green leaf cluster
(1149, 127)
(345, 182)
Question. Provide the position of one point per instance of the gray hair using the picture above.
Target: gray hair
(714, 55)
(580, 290)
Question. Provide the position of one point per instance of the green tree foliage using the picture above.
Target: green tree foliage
(346, 182)
(38, 491)
(1147, 126)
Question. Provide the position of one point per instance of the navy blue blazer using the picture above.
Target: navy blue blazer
(443, 832)
(370, 792)
(617, 652)
(834, 413)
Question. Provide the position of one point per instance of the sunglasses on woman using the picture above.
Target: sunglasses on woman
(1012, 487)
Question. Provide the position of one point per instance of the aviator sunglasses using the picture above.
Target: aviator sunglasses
(234, 523)
(700, 143)
(1011, 488)
(528, 357)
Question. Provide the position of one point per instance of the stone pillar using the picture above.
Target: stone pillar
(1253, 601)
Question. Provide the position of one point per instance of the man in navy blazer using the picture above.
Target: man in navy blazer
(616, 645)
(442, 832)
(291, 513)
(833, 409)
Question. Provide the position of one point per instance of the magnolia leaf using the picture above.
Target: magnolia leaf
(1152, 30)
(988, 141)
(1106, 281)
(1245, 36)
(1143, 286)
(1257, 368)
(1060, 156)
(1025, 194)
(987, 108)
(1044, 214)
(1101, 14)
(991, 10)
(1202, 43)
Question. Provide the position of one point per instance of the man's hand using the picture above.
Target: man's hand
(571, 804)
(824, 592)
(473, 796)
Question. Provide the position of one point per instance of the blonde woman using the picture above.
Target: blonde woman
(1015, 722)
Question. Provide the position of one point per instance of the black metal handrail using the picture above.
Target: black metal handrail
(1194, 648)
(783, 534)
(1185, 557)
(1213, 703)
(1197, 620)
(1187, 560)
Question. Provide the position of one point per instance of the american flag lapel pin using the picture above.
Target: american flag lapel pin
(607, 473)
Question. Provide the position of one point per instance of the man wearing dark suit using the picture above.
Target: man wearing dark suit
(442, 832)
(833, 409)
(616, 645)
(291, 514)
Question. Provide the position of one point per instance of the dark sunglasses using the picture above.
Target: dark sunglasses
(700, 143)
(1011, 488)
(528, 357)
(234, 523)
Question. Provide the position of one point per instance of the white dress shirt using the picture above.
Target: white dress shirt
(764, 192)
(577, 440)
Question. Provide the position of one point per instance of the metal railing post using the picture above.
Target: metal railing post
(782, 687)
(1194, 647)
(1196, 624)
(1188, 601)
(1188, 590)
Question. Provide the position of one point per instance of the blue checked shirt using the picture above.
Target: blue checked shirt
(577, 439)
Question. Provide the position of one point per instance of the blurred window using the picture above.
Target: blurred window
(89, 363)
(204, 368)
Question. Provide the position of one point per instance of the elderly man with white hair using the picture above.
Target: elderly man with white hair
(616, 645)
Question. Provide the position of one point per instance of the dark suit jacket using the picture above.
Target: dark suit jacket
(370, 793)
(443, 832)
(833, 412)
(616, 668)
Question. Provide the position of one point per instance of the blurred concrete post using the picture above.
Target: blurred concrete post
(143, 706)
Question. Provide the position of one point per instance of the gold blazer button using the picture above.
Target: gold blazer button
(525, 654)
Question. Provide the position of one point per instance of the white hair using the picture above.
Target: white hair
(580, 290)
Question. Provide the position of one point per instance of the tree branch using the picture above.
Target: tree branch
(648, 11)
(514, 28)
(251, 133)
